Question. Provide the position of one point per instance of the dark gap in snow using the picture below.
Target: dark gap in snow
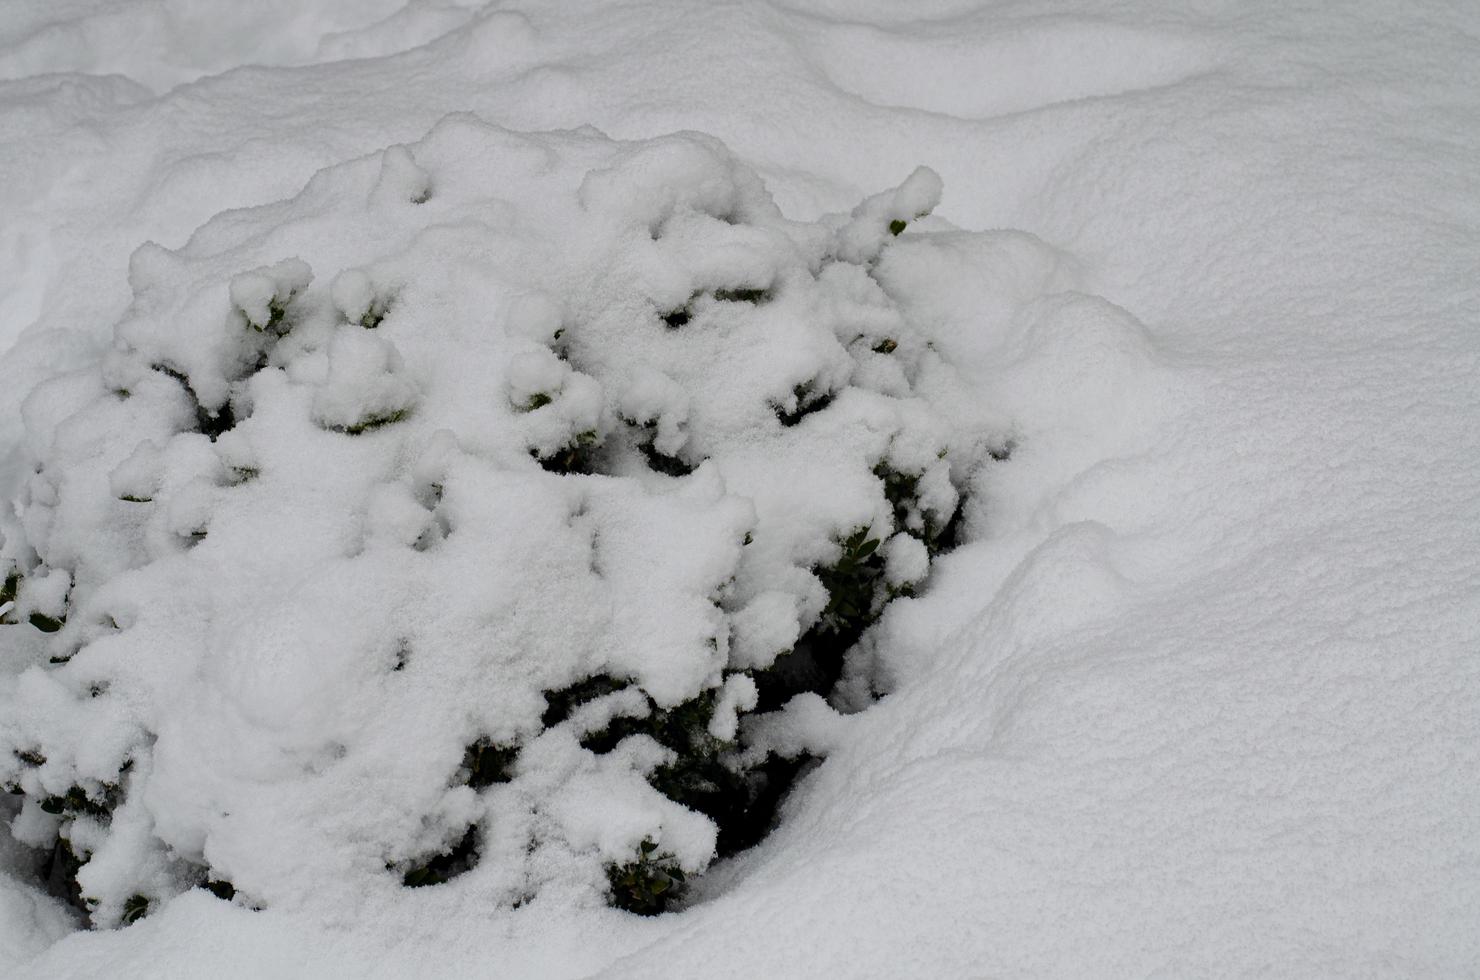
(222, 889)
(207, 422)
(816, 662)
(704, 774)
(57, 871)
(576, 457)
(45, 623)
(442, 868)
(559, 704)
(486, 762)
(648, 884)
(9, 589)
(805, 401)
(667, 465)
(681, 316)
(135, 907)
(948, 538)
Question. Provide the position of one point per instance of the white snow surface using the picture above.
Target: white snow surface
(1199, 696)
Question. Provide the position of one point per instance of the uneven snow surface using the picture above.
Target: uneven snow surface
(1198, 695)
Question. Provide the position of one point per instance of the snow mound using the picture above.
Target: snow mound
(164, 43)
(496, 514)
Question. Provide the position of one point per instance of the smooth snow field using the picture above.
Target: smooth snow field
(1175, 306)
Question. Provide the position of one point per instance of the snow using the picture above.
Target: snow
(1198, 696)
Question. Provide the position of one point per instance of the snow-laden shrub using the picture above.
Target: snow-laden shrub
(458, 518)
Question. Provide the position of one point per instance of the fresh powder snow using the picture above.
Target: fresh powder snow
(411, 412)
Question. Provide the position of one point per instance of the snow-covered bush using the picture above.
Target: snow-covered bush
(464, 518)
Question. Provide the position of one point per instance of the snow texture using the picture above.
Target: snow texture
(1198, 695)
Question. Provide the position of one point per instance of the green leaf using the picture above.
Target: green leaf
(134, 909)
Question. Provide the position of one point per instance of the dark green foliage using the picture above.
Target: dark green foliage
(58, 871)
(857, 594)
(9, 589)
(673, 319)
(700, 777)
(902, 490)
(442, 868)
(135, 907)
(647, 885)
(211, 424)
(705, 773)
(31, 757)
(850, 584)
(574, 457)
(559, 704)
(487, 763)
(816, 662)
(372, 422)
(667, 465)
(78, 802)
(538, 400)
(683, 728)
(644, 434)
(896, 226)
(886, 346)
(743, 294)
(808, 400)
(373, 316)
(277, 315)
